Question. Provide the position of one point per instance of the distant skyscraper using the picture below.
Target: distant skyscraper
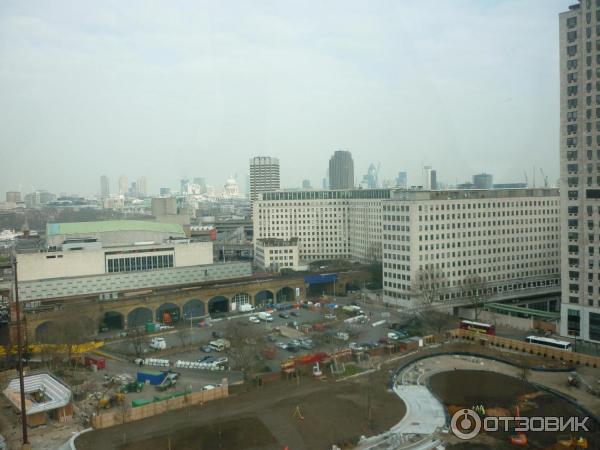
(402, 180)
(104, 186)
(133, 190)
(429, 178)
(341, 170)
(123, 185)
(306, 184)
(370, 179)
(184, 186)
(201, 183)
(483, 181)
(165, 192)
(264, 175)
(13, 197)
(142, 186)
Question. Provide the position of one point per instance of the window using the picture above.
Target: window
(572, 50)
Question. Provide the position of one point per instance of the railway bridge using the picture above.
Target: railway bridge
(175, 303)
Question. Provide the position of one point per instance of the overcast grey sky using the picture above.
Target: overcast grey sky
(195, 88)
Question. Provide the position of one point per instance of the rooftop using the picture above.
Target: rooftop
(53, 229)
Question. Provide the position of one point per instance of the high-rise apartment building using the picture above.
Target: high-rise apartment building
(508, 237)
(264, 175)
(580, 169)
(104, 186)
(341, 170)
(123, 186)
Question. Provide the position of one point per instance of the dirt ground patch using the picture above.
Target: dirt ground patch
(311, 416)
(493, 390)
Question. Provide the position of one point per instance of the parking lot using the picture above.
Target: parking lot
(293, 331)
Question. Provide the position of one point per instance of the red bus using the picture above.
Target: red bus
(478, 327)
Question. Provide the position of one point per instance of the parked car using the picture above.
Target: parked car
(208, 387)
(284, 315)
(206, 359)
(271, 338)
(281, 345)
(254, 319)
(206, 348)
(295, 313)
(291, 348)
(307, 344)
(217, 334)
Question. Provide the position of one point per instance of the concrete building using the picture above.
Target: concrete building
(483, 181)
(264, 175)
(580, 169)
(162, 206)
(13, 197)
(305, 185)
(123, 186)
(510, 238)
(111, 232)
(104, 186)
(341, 170)
(344, 224)
(38, 198)
(109, 259)
(276, 254)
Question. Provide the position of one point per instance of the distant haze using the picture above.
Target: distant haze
(195, 88)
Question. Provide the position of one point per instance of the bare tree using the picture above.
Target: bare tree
(246, 342)
(429, 285)
(476, 289)
(138, 340)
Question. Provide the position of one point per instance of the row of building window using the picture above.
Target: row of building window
(138, 263)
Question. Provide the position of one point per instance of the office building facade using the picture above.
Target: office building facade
(509, 238)
(341, 170)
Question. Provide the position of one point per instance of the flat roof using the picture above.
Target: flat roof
(104, 226)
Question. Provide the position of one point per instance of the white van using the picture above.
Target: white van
(219, 345)
(246, 307)
(158, 343)
(265, 316)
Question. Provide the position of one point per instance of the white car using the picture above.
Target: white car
(158, 343)
(254, 319)
(281, 345)
(208, 387)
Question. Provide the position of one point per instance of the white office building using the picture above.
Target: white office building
(508, 237)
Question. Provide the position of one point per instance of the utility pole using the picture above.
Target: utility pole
(20, 355)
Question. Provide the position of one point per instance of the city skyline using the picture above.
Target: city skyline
(454, 85)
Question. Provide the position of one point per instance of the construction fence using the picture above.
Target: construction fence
(125, 413)
(525, 347)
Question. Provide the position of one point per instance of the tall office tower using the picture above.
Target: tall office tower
(579, 170)
(402, 180)
(104, 186)
(429, 178)
(123, 185)
(264, 175)
(142, 187)
(341, 170)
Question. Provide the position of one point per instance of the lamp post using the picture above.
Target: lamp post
(20, 354)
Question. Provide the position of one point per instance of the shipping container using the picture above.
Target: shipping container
(152, 377)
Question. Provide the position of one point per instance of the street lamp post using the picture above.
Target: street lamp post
(20, 355)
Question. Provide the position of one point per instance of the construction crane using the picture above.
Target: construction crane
(526, 179)
(544, 177)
